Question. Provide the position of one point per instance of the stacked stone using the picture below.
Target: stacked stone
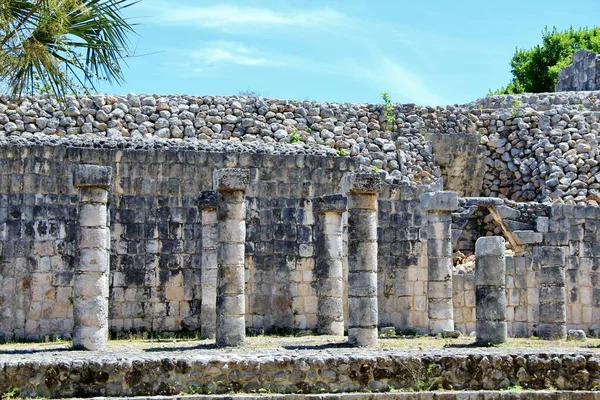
(362, 258)
(231, 185)
(538, 147)
(328, 268)
(91, 285)
(439, 207)
(552, 313)
(210, 241)
(490, 290)
(582, 74)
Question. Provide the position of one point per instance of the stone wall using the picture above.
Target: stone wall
(331, 371)
(538, 147)
(582, 74)
(155, 282)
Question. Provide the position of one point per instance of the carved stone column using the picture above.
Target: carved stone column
(439, 207)
(328, 268)
(91, 285)
(231, 215)
(490, 290)
(362, 258)
(210, 241)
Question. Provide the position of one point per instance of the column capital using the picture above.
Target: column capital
(439, 201)
(230, 179)
(364, 183)
(334, 203)
(96, 176)
(208, 200)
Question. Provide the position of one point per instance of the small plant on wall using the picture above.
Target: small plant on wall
(389, 111)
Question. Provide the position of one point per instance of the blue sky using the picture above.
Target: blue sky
(432, 52)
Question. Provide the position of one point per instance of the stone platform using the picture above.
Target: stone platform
(298, 366)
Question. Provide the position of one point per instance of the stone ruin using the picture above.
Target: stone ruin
(234, 216)
(150, 236)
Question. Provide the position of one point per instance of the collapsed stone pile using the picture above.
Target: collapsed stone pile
(538, 147)
(355, 130)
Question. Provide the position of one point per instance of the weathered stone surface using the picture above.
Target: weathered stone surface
(332, 203)
(92, 176)
(439, 201)
(91, 283)
(230, 179)
(365, 182)
(329, 254)
(230, 301)
(362, 259)
(125, 374)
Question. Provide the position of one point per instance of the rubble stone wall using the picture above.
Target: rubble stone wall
(341, 371)
(535, 147)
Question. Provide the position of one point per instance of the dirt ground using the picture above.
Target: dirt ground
(268, 343)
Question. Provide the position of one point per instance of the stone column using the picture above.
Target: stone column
(490, 290)
(362, 259)
(210, 240)
(231, 215)
(90, 285)
(553, 311)
(328, 268)
(439, 207)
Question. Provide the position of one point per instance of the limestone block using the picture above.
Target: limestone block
(90, 338)
(439, 201)
(440, 269)
(93, 260)
(233, 304)
(490, 303)
(208, 199)
(92, 238)
(364, 182)
(230, 179)
(491, 332)
(439, 290)
(363, 283)
(552, 331)
(362, 336)
(92, 176)
(363, 312)
(92, 215)
(335, 203)
(90, 284)
(439, 248)
(230, 330)
(490, 246)
(552, 276)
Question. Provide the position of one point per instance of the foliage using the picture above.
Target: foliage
(535, 70)
(11, 394)
(389, 111)
(342, 153)
(295, 136)
(515, 106)
(61, 46)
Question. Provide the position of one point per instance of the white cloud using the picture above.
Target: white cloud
(387, 74)
(230, 17)
(227, 52)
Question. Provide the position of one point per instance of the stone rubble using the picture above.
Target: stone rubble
(539, 147)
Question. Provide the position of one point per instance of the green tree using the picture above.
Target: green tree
(535, 70)
(61, 46)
